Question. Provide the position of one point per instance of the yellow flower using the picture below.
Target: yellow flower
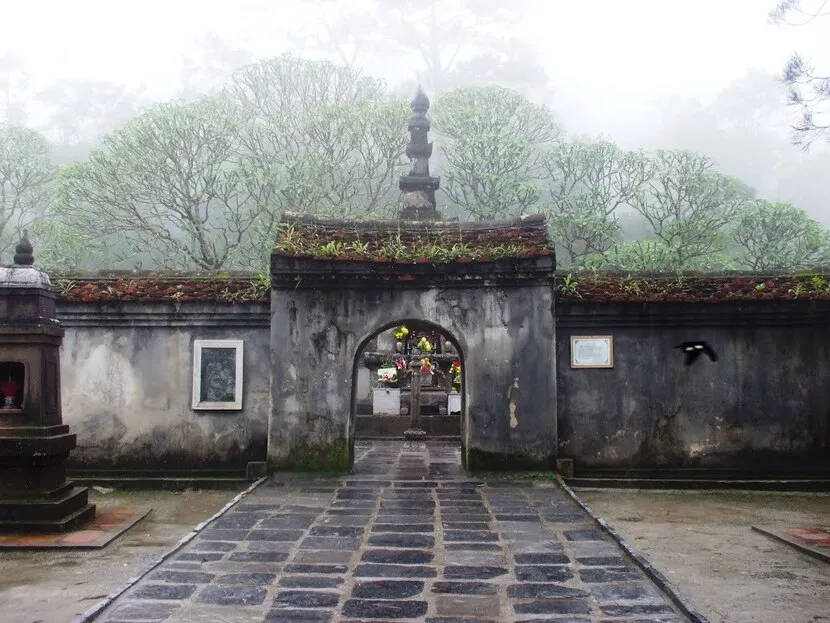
(401, 332)
(424, 345)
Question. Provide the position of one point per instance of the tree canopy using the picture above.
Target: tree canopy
(493, 139)
(26, 176)
(201, 183)
(171, 186)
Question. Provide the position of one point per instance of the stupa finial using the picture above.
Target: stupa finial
(24, 252)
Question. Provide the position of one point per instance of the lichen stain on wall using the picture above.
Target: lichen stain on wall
(105, 376)
(621, 445)
(126, 393)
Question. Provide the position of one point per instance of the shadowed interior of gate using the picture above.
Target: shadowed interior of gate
(383, 392)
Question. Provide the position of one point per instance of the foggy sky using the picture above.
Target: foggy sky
(608, 60)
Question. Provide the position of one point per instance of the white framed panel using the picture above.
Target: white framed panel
(217, 375)
(592, 351)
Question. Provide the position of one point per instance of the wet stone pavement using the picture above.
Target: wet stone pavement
(408, 536)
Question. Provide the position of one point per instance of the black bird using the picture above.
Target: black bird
(693, 350)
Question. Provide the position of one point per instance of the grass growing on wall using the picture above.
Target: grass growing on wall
(599, 287)
(172, 288)
(588, 287)
(402, 246)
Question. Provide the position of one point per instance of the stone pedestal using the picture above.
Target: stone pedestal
(386, 401)
(34, 443)
(454, 403)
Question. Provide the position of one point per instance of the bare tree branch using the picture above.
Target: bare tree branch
(807, 91)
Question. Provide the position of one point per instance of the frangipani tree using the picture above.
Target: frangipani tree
(173, 185)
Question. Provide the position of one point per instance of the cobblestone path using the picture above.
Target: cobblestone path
(408, 536)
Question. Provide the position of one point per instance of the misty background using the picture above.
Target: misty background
(173, 134)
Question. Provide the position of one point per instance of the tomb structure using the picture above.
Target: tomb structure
(34, 443)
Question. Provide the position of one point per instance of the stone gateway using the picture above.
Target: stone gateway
(498, 310)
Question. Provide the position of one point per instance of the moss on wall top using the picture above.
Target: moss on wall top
(599, 287)
(434, 242)
(167, 287)
(690, 287)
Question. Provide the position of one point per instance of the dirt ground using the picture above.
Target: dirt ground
(703, 543)
(56, 586)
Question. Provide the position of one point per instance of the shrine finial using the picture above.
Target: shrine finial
(24, 252)
(421, 102)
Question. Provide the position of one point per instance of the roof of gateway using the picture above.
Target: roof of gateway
(413, 241)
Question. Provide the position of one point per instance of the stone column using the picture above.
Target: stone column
(414, 432)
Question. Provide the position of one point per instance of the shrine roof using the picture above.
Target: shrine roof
(435, 242)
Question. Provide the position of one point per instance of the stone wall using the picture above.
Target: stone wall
(127, 385)
(127, 373)
(763, 407)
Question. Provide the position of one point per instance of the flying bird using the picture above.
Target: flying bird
(693, 350)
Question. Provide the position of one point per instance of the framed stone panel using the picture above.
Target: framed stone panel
(592, 351)
(217, 375)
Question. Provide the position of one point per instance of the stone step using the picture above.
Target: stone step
(44, 508)
(72, 521)
(42, 494)
(393, 426)
(163, 483)
(453, 440)
(759, 472)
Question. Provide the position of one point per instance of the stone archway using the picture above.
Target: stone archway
(392, 415)
(327, 300)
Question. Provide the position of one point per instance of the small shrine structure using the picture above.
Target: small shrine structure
(34, 442)
(487, 286)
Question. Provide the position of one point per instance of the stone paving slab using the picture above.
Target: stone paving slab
(408, 536)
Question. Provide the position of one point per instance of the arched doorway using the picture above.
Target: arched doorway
(387, 399)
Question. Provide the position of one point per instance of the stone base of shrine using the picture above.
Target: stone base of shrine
(35, 496)
(67, 508)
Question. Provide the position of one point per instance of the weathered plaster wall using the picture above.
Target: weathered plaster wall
(127, 368)
(764, 406)
(503, 333)
(126, 386)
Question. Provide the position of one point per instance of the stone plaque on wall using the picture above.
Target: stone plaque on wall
(592, 351)
(217, 374)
